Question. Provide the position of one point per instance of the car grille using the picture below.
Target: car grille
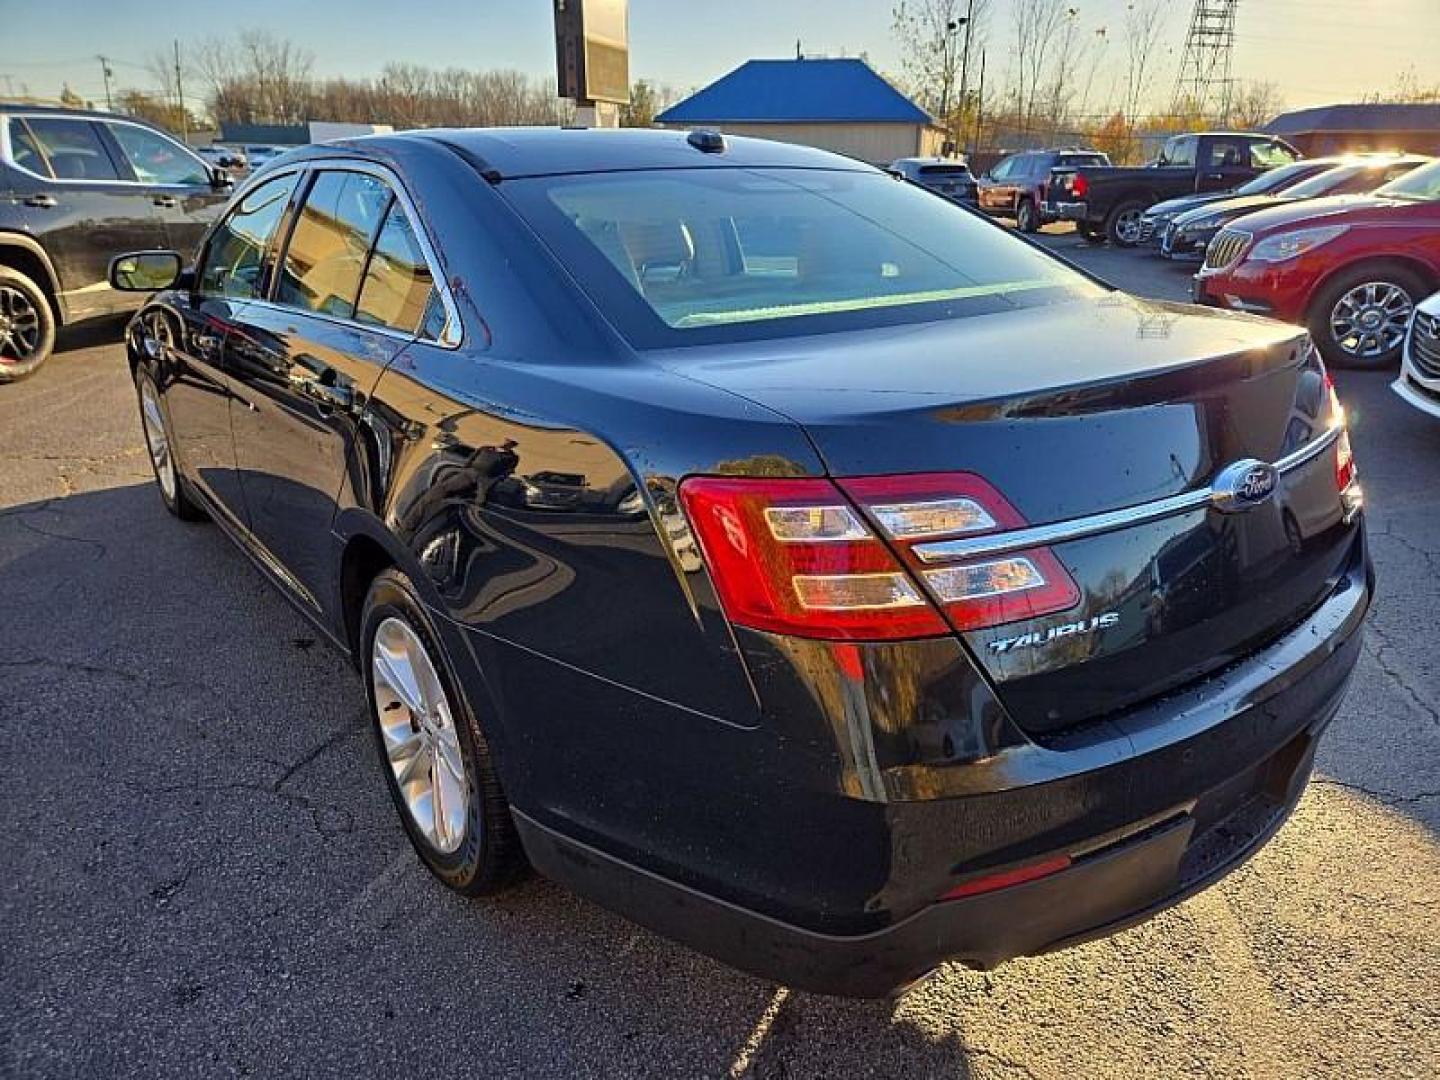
(1425, 345)
(1225, 248)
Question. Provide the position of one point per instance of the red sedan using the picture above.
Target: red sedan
(1351, 268)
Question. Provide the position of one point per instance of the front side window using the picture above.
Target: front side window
(24, 151)
(325, 258)
(695, 255)
(235, 259)
(73, 149)
(398, 285)
(1269, 155)
(156, 159)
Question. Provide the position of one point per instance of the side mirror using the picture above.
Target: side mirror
(145, 271)
(219, 178)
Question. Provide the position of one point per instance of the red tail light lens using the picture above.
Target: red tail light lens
(1346, 473)
(799, 557)
(794, 557)
(1079, 186)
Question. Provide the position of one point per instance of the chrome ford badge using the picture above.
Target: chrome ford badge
(1243, 486)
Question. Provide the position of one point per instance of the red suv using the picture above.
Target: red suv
(1351, 268)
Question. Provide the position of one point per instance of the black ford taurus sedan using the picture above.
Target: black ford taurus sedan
(795, 562)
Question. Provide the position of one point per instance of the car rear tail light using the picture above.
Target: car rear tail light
(794, 557)
(834, 560)
(1079, 186)
(1347, 479)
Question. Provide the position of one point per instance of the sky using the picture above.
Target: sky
(1317, 51)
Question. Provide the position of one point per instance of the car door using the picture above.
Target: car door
(1225, 163)
(996, 191)
(182, 187)
(306, 360)
(233, 269)
(75, 198)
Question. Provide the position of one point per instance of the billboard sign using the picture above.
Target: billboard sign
(592, 50)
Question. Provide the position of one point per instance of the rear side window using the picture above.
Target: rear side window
(398, 285)
(156, 159)
(1225, 154)
(235, 262)
(325, 257)
(687, 256)
(1180, 152)
(73, 149)
(24, 151)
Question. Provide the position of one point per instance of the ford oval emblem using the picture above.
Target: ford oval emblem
(1243, 486)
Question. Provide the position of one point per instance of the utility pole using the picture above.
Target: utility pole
(965, 55)
(108, 74)
(980, 104)
(180, 93)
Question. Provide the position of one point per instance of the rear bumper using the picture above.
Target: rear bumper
(1191, 787)
(1065, 211)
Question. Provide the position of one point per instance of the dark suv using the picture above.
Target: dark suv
(76, 189)
(944, 176)
(1018, 185)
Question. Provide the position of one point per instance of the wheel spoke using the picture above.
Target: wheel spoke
(399, 678)
(416, 766)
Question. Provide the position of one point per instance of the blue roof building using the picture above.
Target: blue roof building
(842, 105)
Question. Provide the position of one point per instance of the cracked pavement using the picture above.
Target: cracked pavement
(202, 873)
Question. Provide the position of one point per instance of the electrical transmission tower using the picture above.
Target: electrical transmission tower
(1203, 87)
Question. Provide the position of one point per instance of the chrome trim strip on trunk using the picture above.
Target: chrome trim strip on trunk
(943, 551)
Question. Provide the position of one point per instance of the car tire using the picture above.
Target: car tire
(438, 756)
(1341, 310)
(1090, 234)
(1122, 226)
(1027, 220)
(160, 448)
(27, 326)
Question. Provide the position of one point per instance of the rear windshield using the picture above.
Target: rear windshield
(944, 170)
(1080, 161)
(694, 256)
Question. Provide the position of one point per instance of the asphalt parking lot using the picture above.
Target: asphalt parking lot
(202, 873)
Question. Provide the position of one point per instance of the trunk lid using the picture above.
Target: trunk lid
(1075, 410)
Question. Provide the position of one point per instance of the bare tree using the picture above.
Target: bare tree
(1144, 24)
(931, 36)
(1255, 104)
(1036, 25)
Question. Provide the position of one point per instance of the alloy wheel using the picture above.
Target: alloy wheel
(1370, 320)
(157, 438)
(1127, 227)
(20, 327)
(417, 727)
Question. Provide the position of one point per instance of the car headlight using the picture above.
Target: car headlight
(1290, 245)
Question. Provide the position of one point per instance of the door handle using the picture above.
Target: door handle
(44, 202)
(167, 201)
(324, 394)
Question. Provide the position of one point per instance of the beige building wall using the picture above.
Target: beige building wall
(878, 144)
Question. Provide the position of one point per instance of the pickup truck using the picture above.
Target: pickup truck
(1107, 203)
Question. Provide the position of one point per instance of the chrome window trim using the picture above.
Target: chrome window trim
(8, 115)
(452, 335)
(1060, 532)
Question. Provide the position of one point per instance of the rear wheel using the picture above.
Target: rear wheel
(27, 326)
(1027, 219)
(436, 761)
(161, 449)
(1358, 320)
(1122, 227)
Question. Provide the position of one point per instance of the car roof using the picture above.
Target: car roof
(501, 153)
(64, 111)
